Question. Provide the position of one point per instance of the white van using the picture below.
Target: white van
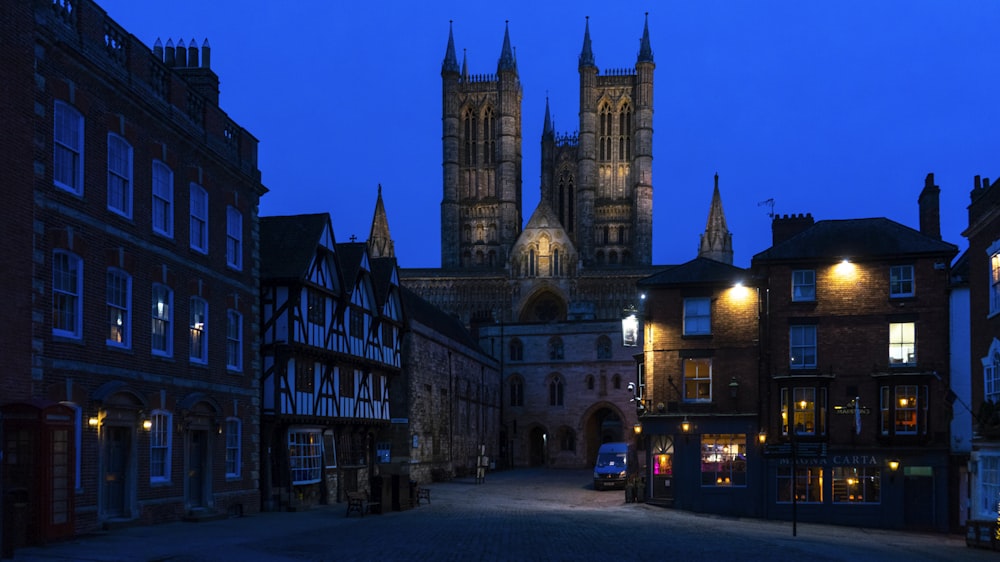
(616, 462)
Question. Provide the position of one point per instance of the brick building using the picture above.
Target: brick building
(131, 382)
(983, 257)
(856, 324)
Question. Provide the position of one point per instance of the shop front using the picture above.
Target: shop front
(706, 464)
(872, 489)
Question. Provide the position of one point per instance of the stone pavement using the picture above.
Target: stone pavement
(524, 514)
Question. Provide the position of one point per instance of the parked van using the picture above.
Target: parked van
(616, 462)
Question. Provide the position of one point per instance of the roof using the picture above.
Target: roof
(382, 269)
(855, 238)
(419, 310)
(697, 271)
(350, 256)
(288, 244)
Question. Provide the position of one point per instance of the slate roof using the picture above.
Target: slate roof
(855, 238)
(349, 256)
(288, 244)
(382, 269)
(700, 271)
(419, 310)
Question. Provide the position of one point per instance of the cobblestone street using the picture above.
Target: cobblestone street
(524, 514)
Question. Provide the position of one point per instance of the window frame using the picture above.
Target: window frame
(803, 330)
(234, 340)
(67, 141)
(516, 390)
(991, 374)
(198, 224)
(696, 382)
(234, 447)
(162, 198)
(868, 477)
(234, 238)
(305, 467)
(901, 277)
(727, 464)
(124, 177)
(915, 408)
(160, 439)
(123, 307)
(61, 291)
(902, 341)
(994, 278)
(803, 290)
(805, 405)
(810, 478)
(557, 393)
(202, 332)
(697, 316)
(165, 316)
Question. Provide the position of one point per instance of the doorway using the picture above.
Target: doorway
(197, 459)
(117, 451)
(536, 447)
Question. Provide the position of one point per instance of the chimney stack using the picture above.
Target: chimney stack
(930, 209)
(787, 226)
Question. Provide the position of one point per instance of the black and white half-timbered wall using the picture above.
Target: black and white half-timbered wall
(330, 345)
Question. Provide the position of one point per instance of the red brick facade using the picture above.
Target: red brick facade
(72, 53)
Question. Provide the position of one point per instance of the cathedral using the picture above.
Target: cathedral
(546, 295)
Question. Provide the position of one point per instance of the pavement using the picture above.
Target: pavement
(524, 514)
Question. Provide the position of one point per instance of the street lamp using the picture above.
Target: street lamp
(630, 327)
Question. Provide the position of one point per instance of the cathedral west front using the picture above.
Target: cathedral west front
(546, 295)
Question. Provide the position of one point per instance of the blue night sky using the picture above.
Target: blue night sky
(839, 109)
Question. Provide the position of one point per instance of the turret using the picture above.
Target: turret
(586, 164)
(643, 154)
(450, 142)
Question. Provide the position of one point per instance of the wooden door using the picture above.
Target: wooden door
(116, 454)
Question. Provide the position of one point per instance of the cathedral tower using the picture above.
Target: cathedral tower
(599, 183)
(481, 119)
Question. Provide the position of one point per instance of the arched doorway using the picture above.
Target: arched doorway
(603, 425)
(536, 447)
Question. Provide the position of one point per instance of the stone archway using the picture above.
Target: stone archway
(601, 424)
(537, 447)
(545, 305)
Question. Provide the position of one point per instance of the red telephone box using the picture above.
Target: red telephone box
(39, 442)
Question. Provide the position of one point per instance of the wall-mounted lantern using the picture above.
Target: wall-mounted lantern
(630, 327)
(734, 388)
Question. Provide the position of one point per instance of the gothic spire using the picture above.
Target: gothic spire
(547, 126)
(379, 241)
(587, 55)
(645, 50)
(465, 66)
(507, 60)
(717, 241)
(450, 63)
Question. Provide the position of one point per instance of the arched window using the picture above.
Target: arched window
(489, 137)
(555, 391)
(616, 381)
(624, 130)
(471, 133)
(604, 139)
(516, 350)
(604, 347)
(531, 263)
(590, 382)
(606, 235)
(554, 266)
(567, 439)
(555, 348)
(621, 235)
(516, 389)
(612, 258)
